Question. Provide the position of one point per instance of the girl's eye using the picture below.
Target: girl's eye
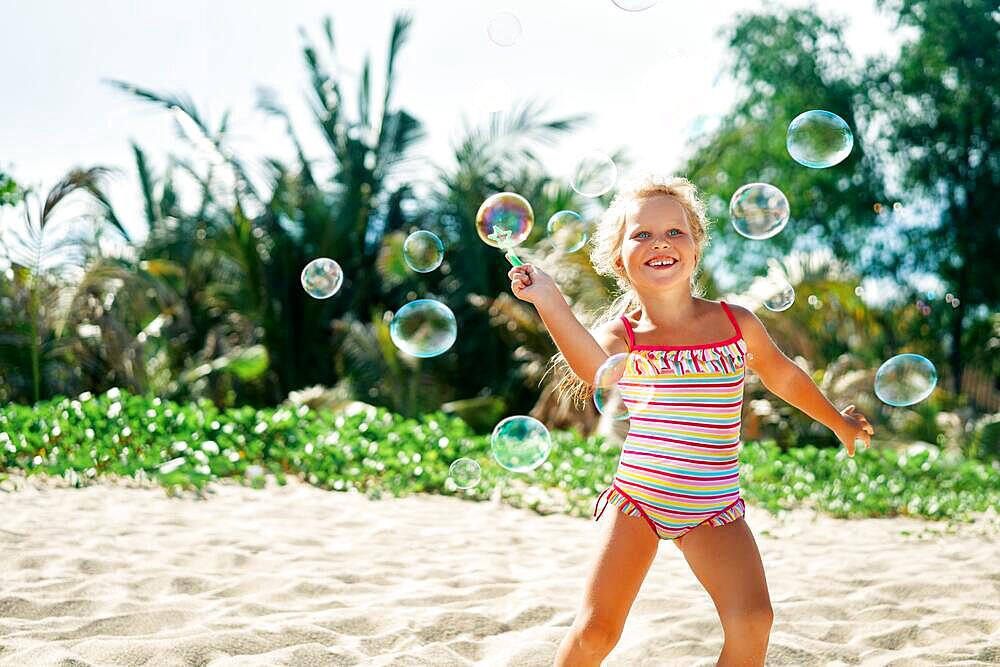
(640, 234)
(674, 232)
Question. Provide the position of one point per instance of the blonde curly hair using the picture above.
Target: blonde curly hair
(606, 248)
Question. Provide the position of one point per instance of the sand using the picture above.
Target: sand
(111, 575)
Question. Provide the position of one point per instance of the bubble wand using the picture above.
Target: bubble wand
(502, 238)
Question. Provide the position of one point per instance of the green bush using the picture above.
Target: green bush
(370, 450)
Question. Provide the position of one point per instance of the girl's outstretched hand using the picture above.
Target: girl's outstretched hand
(854, 427)
(529, 283)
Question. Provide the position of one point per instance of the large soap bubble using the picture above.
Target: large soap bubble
(819, 139)
(905, 379)
(758, 211)
(507, 214)
(424, 328)
(520, 443)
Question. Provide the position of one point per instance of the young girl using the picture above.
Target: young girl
(678, 475)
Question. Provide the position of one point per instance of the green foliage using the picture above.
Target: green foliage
(10, 192)
(786, 62)
(188, 445)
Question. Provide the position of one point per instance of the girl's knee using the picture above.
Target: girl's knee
(754, 621)
(598, 636)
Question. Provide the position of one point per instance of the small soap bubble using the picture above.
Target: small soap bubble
(595, 174)
(424, 328)
(819, 139)
(779, 294)
(504, 29)
(758, 211)
(321, 278)
(423, 251)
(568, 231)
(634, 5)
(465, 473)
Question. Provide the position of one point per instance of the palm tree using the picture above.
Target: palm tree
(49, 268)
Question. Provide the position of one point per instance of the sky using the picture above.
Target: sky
(645, 78)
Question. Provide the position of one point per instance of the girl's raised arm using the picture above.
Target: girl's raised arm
(787, 381)
(583, 352)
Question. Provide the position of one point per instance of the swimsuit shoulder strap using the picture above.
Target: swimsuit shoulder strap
(628, 330)
(732, 319)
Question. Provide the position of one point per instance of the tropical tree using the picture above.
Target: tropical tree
(49, 271)
(785, 63)
(941, 101)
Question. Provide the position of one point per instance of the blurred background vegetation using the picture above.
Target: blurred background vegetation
(208, 306)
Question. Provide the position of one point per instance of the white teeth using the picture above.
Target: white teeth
(661, 262)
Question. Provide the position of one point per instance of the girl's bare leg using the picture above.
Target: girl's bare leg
(627, 550)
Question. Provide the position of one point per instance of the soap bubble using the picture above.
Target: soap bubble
(424, 328)
(520, 443)
(505, 213)
(634, 5)
(615, 398)
(905, 379)
(321, 278)
(595, 174)
(758, 211)
(779, 294)
(465, 473)
(819, 139)
(423, 251)
(568, 230)
(504, 29)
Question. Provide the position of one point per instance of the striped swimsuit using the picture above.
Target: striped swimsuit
(679, 467)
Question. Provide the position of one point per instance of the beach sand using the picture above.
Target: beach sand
(113, 575)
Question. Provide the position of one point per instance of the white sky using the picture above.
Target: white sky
(643, 77)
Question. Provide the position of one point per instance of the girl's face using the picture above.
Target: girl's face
(658, 249)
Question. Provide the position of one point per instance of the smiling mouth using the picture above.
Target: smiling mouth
(662, 264)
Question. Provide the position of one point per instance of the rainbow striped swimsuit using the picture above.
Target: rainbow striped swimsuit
(679, 465)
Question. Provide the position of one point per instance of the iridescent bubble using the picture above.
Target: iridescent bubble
(568, 231)
(423, 251)
(859, 291)
(905, 379)
(819, 139)
(520, 443)
(424, 328)
(321, 278)
(595, 174)
(465, 473)
(634, 5)
(615, 398)
(505, 213)
(779, 294)
(758, 211)
(504, 29)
